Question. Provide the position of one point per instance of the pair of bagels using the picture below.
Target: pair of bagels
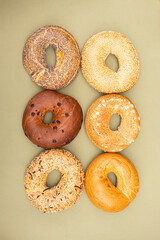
(68, 59)
(100, 190)
(67, 113)
(106, 80)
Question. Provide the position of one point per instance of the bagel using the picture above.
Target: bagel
(66, 192)
(65, 125)
(67, 57)
(95, 70)
(98, 118)
(102, 193)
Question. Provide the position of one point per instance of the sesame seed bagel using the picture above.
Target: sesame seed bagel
(67, 57)
(65, 125)
(98, 118)
(102, 193)
(95, 69)
(66, 192)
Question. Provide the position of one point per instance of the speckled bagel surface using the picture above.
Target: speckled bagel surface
(65, 125)
(68, 190)
(67, 57)
(98, 118)
(95, 70)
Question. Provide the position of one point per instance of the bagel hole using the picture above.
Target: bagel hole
(51, 56)
(113, 178)
(115, 122)
(112, 62)
(48, 118)
(53, 178)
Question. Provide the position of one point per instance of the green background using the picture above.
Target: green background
(139, 20)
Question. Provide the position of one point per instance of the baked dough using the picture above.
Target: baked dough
(98, 118)
(65, 125)
(102, 193)
(67, 57)
(68, 190)
(95, 69)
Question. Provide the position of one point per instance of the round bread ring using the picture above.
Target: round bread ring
(102, 193)
(95, 69)
(67, 57)
(66, 192)
(64, 126)
(98, 118)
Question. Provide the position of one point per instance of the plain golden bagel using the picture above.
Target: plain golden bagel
(98, 118)
(66, 192)
(67, 57)
(65, 125)
(95, 69)
(102, 193)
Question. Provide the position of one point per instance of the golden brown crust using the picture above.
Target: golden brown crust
(97, 123)
(67, 57)
(95, 69)
(102, 192)
(68, 190)
(64, 126)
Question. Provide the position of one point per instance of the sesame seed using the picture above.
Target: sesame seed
(116, 107)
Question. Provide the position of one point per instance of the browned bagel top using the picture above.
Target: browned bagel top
(102, 192)
(63, 128)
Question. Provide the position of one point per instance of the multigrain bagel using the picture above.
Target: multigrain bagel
(65, 125)
(68, 190)
(95, 69)
(98, 118)
(102, 193)
(67, 57)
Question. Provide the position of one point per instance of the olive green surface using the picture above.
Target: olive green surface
(139, 20)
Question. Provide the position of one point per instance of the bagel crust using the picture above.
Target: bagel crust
(95, 70)
(102, 193)
(66, 192)
(67, 57)
(65, 125)
(98, 118)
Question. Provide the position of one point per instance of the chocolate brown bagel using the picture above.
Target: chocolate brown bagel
(64, 126)
(67, 57)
